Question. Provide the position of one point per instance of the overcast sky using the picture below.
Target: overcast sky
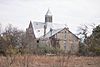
(70, 12)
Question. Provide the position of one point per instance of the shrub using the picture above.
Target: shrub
(47, 49)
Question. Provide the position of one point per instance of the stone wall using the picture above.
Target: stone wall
(65, 40)
(31, 40)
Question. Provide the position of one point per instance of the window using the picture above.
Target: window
(56, 36)
(65, 35)
(37, 41)
(65, 44)
(36, 23)
(65, 31)
(38, 30)
(64, 47)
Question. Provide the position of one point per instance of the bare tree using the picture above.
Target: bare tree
(83, 31)
(13, 39)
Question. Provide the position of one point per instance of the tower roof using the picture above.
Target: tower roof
(48, 13)
(30, 25)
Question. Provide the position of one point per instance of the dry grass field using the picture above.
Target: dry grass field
(49, 61)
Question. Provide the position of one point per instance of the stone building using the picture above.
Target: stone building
(52, 34)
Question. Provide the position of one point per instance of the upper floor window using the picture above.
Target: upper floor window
(65, 44)
(65, 31)
(38, 30)
(56, 36)
(65, 35)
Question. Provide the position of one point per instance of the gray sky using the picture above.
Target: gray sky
(70, 12)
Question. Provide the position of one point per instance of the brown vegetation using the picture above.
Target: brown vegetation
(49, 61)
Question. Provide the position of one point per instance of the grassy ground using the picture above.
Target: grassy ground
(49, 61)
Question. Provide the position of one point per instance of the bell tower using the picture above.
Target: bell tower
(48, 16)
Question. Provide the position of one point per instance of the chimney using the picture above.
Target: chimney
(45, 26)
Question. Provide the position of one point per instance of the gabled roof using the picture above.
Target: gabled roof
(39, 28)
(54, 31)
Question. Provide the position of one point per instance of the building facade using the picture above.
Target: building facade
(52, 34)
